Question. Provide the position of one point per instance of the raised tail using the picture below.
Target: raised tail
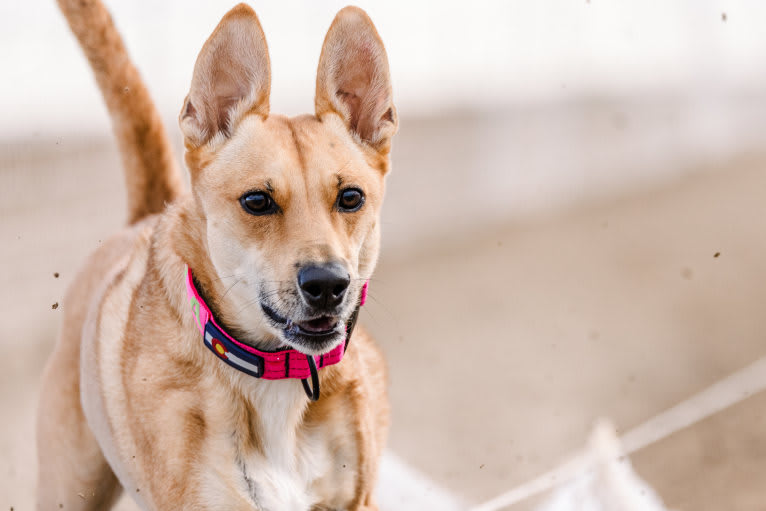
(151, 173)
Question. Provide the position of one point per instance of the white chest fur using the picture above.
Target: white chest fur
(294, 467)
(281, 476)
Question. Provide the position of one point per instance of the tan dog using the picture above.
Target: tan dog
(281, 230)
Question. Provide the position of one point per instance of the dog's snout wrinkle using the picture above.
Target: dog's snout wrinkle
(323, 286)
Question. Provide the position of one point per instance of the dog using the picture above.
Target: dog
(205, 359)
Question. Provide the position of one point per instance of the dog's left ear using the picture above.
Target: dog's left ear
(353, 79)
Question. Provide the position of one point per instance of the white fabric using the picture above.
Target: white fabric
(605, 480)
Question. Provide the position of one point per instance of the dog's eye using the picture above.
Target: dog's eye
(258, 203)
(350, 199)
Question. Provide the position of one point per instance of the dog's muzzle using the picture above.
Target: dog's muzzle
(268, 365)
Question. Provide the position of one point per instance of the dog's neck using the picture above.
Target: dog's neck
(280, 404)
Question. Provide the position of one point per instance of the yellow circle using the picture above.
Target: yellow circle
(219, 349)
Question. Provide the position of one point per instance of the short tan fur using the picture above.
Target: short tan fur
(131, 398)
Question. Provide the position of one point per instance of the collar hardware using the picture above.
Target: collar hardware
(313, 391)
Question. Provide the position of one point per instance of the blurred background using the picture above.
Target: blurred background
(573, 226)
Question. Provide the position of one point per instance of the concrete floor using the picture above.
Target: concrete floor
(715, 464)
(505, 341)
(510, 344)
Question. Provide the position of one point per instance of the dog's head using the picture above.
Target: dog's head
(290, 206)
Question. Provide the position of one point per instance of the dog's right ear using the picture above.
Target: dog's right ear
(232, 77)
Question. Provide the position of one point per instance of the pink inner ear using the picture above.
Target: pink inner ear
(388, 116)
(223, 113)
(232, 82)
(353, 103)
(232, 66)
(189, 110)
(358, 88)
(353, 78)
(355, 72)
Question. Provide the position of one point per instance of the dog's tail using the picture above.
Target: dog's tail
(151, 173)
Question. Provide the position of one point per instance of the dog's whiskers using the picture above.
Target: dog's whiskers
(229, 277)
(248, 304)
(382, 306)
(230, 288)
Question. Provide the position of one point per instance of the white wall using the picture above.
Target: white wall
(549, 103)
(444, 55)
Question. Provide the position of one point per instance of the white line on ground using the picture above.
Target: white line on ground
(719, 396)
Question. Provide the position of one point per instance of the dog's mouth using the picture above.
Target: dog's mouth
(315, 335)
(318, 326)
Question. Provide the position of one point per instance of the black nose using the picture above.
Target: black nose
(323, 286)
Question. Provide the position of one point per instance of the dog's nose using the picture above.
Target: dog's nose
(323, 286)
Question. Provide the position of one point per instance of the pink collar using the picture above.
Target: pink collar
(269, 365)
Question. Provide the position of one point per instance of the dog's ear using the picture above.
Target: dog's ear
(353, 79)
(232, 77)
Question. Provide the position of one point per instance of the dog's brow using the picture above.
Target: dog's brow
(338, 176)
(269, 187)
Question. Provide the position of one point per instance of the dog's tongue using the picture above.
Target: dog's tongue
(322, 324)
